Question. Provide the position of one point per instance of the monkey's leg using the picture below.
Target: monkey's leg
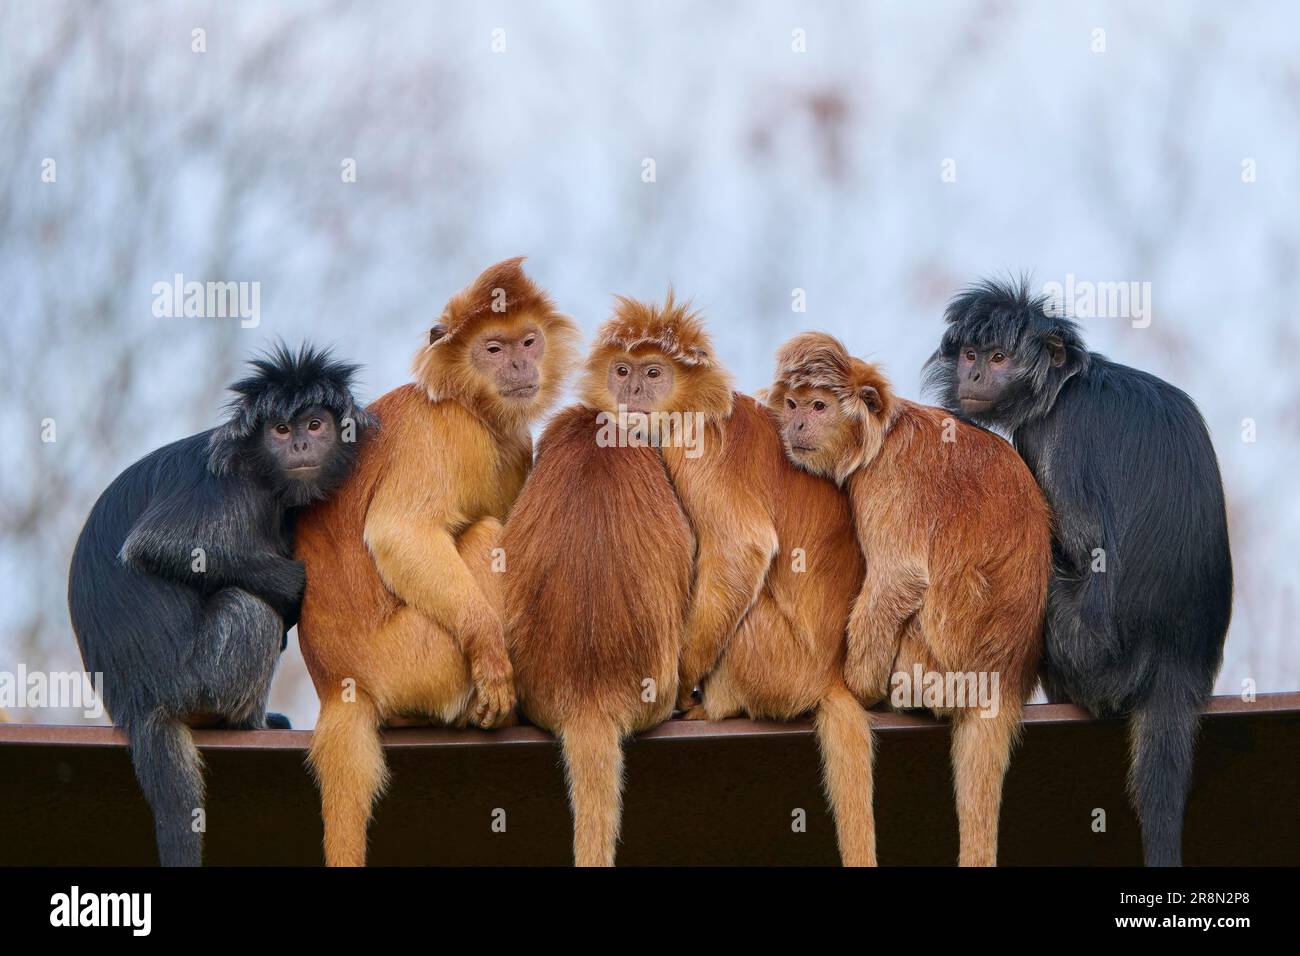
(348, 761)
(1163, 733)
(729, 576)
(170, 772)
(844, 736)
(227, 672)
(593, 762)
(981, 750)
(883, 607)
(235, 656)
(719, 697)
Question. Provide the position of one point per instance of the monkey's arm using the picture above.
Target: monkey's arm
(730, 567)
(889, 596)
(208, 537)
(409, 537)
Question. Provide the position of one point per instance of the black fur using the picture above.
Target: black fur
(174, 644)
(1126, 463)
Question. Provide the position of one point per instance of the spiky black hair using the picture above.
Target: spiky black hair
(283, 384)
(1006, 314)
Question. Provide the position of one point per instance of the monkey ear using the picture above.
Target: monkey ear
(1055, 349)
(437, 332)
(871, 398)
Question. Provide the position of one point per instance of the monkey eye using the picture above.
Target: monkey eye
(622, 371)
(652, 372)
(493, 349)
(789, 403)
(282, 428)
(528, 342)
(970, 355)
(819, 405)
(998, 358)
(313, 425)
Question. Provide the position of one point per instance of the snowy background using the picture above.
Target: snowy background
(1107, 141)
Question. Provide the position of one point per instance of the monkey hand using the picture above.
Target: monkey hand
(687, 697)
(494, 688)
(868, 676)
(284, 586)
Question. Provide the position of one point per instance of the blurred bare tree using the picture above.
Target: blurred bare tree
(793, 148)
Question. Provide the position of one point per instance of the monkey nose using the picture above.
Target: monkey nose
(799, 427)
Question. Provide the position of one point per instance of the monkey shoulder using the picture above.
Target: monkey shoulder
(580, 438)
(752, 430)
(1114, 422)
(574, 423)
(176, 472)
(960, 459)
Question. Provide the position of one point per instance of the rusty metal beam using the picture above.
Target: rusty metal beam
(697, 793)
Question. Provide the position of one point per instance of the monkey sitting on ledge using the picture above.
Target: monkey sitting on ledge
(776, 563)
(402, 614)
(182, 588)
(598, 576)
(957, 545)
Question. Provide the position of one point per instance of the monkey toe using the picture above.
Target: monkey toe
(277, 722)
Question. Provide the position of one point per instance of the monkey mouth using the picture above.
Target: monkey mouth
(301, 471)
(975, 404)
(520, 391)
(804, 448)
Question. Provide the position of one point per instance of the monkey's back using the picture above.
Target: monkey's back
(958, 501)
(598, 571)
(122, 617)
(812, 580)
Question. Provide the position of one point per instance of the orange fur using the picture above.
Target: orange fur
(776, 565)
(598, 569)
(442, 365)
(673, 331)
(956, 538)
(402, 612)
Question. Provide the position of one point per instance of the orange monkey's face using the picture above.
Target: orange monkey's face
(641, 383)
(511, 360)
(816, 433)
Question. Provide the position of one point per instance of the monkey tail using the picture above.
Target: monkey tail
(347, 758)
(1163, 734)
(170, 772)
(844, 736)
(981, 752)
(593, 763)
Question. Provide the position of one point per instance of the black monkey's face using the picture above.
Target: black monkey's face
(301, 448)
(983, 377)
